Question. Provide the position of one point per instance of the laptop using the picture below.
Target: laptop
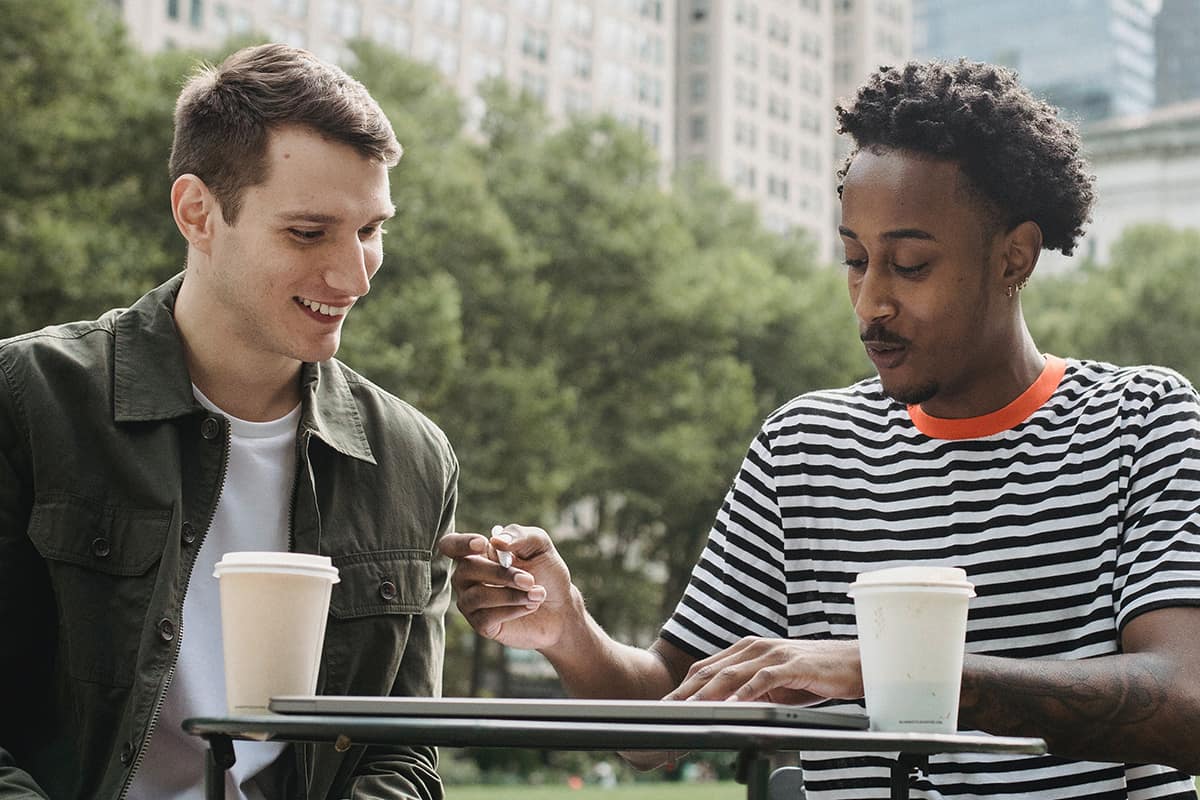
(657, 711)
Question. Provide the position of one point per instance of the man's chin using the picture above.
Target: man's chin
(911, 395)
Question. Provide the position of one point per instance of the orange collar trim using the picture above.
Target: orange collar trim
(1012, 415)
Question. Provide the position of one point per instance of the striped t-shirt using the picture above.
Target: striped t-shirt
(1072, 510)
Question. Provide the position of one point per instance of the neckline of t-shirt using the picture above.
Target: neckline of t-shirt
(1012, 415)
(246, 429)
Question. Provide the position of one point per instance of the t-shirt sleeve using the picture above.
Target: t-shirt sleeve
(737, 587)
(1158, 561)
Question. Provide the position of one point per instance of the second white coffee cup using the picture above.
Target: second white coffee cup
(912, 624)
(274, 607)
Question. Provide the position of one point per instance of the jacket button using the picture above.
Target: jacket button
(210, 428)
(189, 533)
(127, 752)
(387, 590)
(100, 547)
(166, 629)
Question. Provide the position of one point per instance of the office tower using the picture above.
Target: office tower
(1095, 59)
(1177, 52)
(744, 86)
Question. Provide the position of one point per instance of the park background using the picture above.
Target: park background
(600, 347)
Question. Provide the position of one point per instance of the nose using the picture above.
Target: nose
(349, 273)
(871, 295)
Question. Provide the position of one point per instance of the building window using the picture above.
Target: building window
(778, 68)
(534, 83)
(779, 147)
(744, 176)
(443, 12)
(650, 90)
(535, 44)
(698, 84)
(698, 48)
(698, 127)
(489, 27)
(538, 9)
(344, 18)
(746, 54)
(196, 17)
(651, 49)
(746, 14)
(700, 9)
(172, 9)
(745, 93)
(779, 108)
(484, 67)
(578, 62)
(577, 18)
(651, 130)
(442, 53)
(651, 9)
(393, 33)
(745, 134)
(778, 30)
(777, 187)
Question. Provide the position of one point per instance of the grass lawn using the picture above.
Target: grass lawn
(624, 791)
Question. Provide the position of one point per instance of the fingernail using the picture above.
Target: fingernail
(523, 580)
(537, 594)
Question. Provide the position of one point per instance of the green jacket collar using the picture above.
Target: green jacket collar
(151, 381)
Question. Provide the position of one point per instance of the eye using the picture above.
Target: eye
(369, 231)
(855, 263)
(305, 235)
(909, 271)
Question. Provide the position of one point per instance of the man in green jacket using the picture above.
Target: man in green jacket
(211, 416)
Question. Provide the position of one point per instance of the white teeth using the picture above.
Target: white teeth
(324, 308)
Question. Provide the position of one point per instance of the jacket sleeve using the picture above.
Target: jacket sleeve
(23, 667)
(392, 773)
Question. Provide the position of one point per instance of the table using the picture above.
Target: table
(753, 743)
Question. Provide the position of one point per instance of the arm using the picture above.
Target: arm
(1137, 707)
(19, 623)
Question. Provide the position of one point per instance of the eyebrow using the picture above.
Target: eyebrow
(327, 219)
(899, 233)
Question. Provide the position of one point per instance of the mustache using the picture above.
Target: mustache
(878, 334)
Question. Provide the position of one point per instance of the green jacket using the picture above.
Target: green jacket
(109, 475)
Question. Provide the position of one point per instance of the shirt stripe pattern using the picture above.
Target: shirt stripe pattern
(1069, 524)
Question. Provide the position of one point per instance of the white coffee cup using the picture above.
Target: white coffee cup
(912, 628)
(274, 607)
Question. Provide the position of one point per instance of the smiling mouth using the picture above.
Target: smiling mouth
(322, 308)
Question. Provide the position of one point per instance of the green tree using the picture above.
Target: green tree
(1138, 308)
(84, 140)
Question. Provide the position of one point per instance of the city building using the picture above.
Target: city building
(1093, 58)
(1177, 52)
(746, 87)
(1147, 170)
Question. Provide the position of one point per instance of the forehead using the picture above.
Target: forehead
(307, 170)
(894, 189)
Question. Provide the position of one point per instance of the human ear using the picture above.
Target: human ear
(194, 208)
(1021, 248)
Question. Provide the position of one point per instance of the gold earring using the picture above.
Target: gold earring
(1009, 290)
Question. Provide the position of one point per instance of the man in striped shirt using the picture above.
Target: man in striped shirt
(1068, 490)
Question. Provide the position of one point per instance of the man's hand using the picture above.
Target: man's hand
(796, 671)
(524, 605)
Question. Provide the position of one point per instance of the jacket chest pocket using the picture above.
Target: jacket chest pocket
(99, 558)
(371, 611)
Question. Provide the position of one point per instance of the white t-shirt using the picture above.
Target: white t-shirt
(251, 514)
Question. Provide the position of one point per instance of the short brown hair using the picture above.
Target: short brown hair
(225, 114)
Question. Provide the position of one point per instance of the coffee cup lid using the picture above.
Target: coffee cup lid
(916, 575)
(277, 563)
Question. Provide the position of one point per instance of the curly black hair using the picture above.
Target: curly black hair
(1016, 151)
